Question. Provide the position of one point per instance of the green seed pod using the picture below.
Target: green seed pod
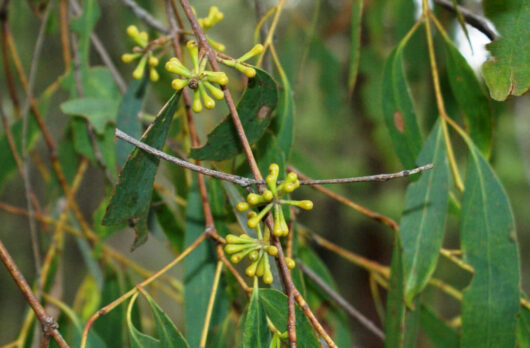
(267, 195)
(175, 66)
(272, 250)
(257, 49)
(129, 57)
(253, 255)
(267, 277)
(290, 263)
(216, 92)
(251, 270)
(260, 270)
(208, 101)
(217, 77)
(196, 105)
(235, 258)
(242, 206)
(305, 204)
(179, 84)
(140, 68)
(153, 61)
(234, 248)
(254, 199)
(153, 74)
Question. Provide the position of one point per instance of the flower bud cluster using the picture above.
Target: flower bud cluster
(271, 199)
(214, 17)
(239, 64)
(199, 80)
(141, 52)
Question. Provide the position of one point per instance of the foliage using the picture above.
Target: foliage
(364, 86)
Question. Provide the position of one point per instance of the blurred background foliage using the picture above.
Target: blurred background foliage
(336, 135)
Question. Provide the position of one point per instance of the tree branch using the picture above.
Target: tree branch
(145, 16)
(478, 22)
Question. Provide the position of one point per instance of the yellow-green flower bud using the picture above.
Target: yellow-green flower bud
(232, 239)
(235, 258)
(153, 74)
(254, 199)
(277, 229)
(140, 68)
(274, 169)
(272, 250)
(267, 195)
(234, 248)
(216, 92)
(179, 84)
(247, 70)
(257, 49)
(291, 177)
(242, 206)
(196, 104)
(290, 263)
(260, 270)
(305, 204)
(194, 54)
(253, 256)
(288, 187)
(208, 101)
(129, 57)
(251, 270)
(217, 77)
(219, 47)
(253, 222)
(267, 277)
(153, 61)
(175, 66)
(132, 31)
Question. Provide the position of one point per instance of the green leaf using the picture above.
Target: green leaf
(282, 124)
(470, 97)
(423, 221)
(168, 334)
(83, 26)
(395, 302)
(523, 328)
(136, 338)
(255, 109)
(127, 119)
(132, 193)
(199, 271)
(97, 111)
(440, 334)
(489, 242)
(256, 332)
(172, 228)
(398, 109)
(355, 43)
(412, 325)
(508, 72)
(275, 304)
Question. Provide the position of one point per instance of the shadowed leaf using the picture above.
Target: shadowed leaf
(355, 43)
(256, 332)
(440, 334)
(395, 303)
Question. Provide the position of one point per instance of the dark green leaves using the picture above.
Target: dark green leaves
(132, 194)
(275, 304)
(508, 72)
(254, 109)
(398, 110)
(422, 224)
(355, 44)
(489, 242)
(440, 334)
(470, 97)
(395, 302)
(256, 333)
(98, 111)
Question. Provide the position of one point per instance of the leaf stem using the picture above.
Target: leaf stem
(211, 303)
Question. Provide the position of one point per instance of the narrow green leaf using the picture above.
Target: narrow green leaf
(136, 338)
(282, 124)
(97, 111)
(132, 193)
(167, 219)
(423, 220)
(395, 303)
(168, 334)
(523, 328)
(127, 119)
(508, 71)
(440, 334)
(355, 43)
(470, 97)
(256, 332)
(83, 26)
(255, 109)
(398, 109)
(489, 242)
(412, 325)
(275, 304)
(462, 23)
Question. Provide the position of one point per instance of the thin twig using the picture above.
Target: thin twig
(478, 22)
(48, 324)
(65, 43)
(211, 302)
(348, 308)
(145, 16)
(9, 76)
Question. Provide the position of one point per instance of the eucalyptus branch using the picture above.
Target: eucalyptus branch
(145, 16)
(478, 22)
(348, 308)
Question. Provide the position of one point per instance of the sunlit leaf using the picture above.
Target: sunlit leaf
(132, 193)
(423, 220)
(508, 71)
(255, 110)
(489, 242)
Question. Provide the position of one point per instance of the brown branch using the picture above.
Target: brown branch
(48, 324)
(9, 77)
(65, 42)
(348, 308)
(478, 22)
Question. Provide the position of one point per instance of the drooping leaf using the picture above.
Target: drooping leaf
(355, 43)
(440, 334)
(398, 109)
(255, 109)
(275, 304)
(489, 242)
(127, 119)
(172, 228)
(395, 303)
(470, 97)
(423, 220)
(168, 334)
(132, 193)
(508, 72)
(199, 270)
(256, 333)
(97, 111)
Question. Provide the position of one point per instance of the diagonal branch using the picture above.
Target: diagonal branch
(145, 16)
(478, 22)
